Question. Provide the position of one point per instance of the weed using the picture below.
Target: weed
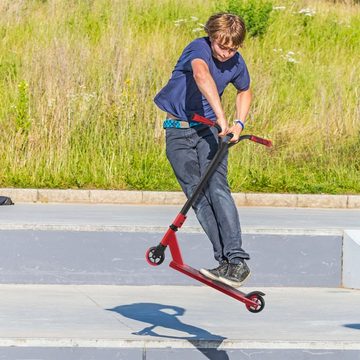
(78, 78)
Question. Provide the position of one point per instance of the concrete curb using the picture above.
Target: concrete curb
(162, 229)
(176, 198)
(64, 342)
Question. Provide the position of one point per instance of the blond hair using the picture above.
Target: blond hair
(228, 29)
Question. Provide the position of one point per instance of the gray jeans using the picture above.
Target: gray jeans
(190, 152)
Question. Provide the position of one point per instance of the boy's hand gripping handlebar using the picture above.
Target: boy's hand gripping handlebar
(257, 139)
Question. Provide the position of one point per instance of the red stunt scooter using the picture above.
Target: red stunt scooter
(155, 255)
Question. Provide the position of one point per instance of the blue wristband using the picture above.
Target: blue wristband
(237, 121)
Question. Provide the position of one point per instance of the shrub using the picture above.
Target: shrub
(22, 119)
(256, 14)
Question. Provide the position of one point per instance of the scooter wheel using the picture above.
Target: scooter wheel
(153, 258)
(258, 299)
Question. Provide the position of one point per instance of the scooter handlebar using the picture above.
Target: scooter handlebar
(203, 120)
(206, 121)
(257, 139)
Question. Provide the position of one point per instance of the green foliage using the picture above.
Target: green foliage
(256, 14)
(22, 108)
(85, 118)
(8, 69)
(89, 21)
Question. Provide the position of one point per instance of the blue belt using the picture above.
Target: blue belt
(179, 124)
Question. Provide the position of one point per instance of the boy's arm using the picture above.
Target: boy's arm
(243, 101)
(207, 87)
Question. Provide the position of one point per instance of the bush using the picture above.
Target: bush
(256, 14)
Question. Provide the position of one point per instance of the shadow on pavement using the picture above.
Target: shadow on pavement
(352, 326)
(167, 316)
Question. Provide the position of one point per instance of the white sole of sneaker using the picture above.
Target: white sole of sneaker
(234, 284)
(208, 274)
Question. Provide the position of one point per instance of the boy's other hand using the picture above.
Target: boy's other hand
(224, 126)
(236, 131)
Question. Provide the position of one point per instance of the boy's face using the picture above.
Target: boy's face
(222, 52)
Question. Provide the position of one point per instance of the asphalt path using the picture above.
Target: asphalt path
(150, 218)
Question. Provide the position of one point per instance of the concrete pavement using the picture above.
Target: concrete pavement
(118, 258)
(105, 244)
(156, 218)
(165, 321)
(158, 317)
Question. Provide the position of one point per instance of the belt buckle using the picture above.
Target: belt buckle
(184, 125)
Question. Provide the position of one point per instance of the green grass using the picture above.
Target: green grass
(77, 79)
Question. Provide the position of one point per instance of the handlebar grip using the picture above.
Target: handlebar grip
(227, 138)
(203, 120)
(218, 127)
(262, 141)
(206, 121)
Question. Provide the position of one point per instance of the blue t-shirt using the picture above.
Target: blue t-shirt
(181, 96)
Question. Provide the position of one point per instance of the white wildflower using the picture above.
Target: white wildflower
(279, 8)
(179, 22)
(291, 60)
(289, 57)
(307, 12)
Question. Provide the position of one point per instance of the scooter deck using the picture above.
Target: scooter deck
(228, 290)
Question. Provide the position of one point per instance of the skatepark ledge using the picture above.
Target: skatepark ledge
(176, 198)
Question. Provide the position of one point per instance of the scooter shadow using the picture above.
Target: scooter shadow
(167, 317)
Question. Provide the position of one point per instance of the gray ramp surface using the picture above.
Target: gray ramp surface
(17, 353)
(99, 217)
(177, 317)
(64, 257)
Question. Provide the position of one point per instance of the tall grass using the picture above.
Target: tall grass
(77, 79)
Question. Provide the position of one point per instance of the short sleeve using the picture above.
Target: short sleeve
(197, 49)
(241, 81)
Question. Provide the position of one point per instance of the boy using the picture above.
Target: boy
(206, 66)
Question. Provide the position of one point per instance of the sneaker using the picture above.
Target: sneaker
(215, 274)
(236, 274)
